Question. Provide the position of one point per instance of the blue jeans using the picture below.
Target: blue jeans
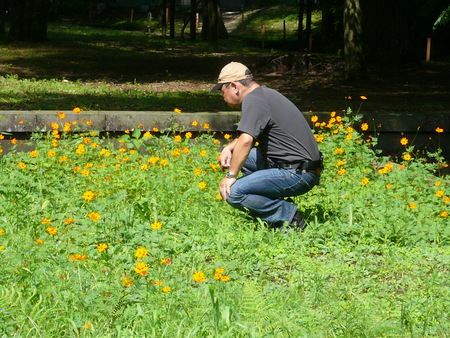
(261, 191)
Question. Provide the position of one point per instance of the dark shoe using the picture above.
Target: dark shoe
(298, 223)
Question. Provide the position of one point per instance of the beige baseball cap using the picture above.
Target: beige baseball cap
(234, 71)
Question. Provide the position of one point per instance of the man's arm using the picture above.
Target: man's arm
(240, 150)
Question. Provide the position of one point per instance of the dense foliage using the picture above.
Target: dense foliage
(106, 236)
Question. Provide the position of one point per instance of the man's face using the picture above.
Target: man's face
(230, 94)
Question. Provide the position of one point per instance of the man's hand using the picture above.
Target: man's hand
(225, 158)
(225, 187)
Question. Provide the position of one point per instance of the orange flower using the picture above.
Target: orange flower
(77, 110)
(439, 130)
(363, 97)
(95, 216)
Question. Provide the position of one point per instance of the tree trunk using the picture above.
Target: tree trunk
(354, 67)
(172, 18)
(301, 11)
(308, 31)
(213, 25)
(29, 20)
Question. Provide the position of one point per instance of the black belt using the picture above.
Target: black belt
(315, 166)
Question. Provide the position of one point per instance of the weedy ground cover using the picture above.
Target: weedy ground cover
(127, 236)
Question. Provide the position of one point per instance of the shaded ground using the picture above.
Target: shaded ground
(158, 65)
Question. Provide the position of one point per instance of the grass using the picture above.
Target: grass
(126, 237)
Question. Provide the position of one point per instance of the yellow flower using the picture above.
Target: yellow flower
(39, 241)
(54, 125)
(314, 118)
(404, 141)
(194, 123)
(202, 185)
(199, 276)
(166, 289)
(156, 225)
(62, 116)
(152, 160)
(364, 126)
(69, 221)
(178, 111)
(438, 183)
(127, 281)
(141, 252)
(365, 181)
(439, 130)
(76, 110)
(412, 205)
(349, 137)
(319, 138)
(162, 163)
(440, 193)
(2, 247)
(363, 97)
(14, 141)
(67, 127)
(205, 125)
(220, 270)
(444, 214)
(166, 261)
(388, 186)
(34, 153)
(102, 247)
(148, 134)
(95, 216)
(77, 257)
(198, 171)
(22, 165)
(341, 172)
(46, 220)
(88, 196)
(177, 138)
(203, 153)
(51, 230)
(218, 197)
(51, 153)
(2, 232)
(188, 135)
(338, 151)
(155, 129)
(225, 278)
(407, 157)
(141, 268)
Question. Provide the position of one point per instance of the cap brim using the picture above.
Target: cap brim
(216, 87)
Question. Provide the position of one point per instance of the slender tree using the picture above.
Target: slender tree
(354, 67)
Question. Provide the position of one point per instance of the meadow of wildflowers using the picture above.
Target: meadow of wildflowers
(127, 236)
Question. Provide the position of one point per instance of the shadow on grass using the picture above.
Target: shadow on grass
(186, 101)
(117, 56)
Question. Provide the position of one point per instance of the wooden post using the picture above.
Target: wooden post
(428, 50)
(131, 15)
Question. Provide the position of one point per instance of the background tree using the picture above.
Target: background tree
(29, 20)
(213, 26)
(354, 67)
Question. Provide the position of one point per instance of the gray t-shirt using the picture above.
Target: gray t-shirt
(278, 125)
